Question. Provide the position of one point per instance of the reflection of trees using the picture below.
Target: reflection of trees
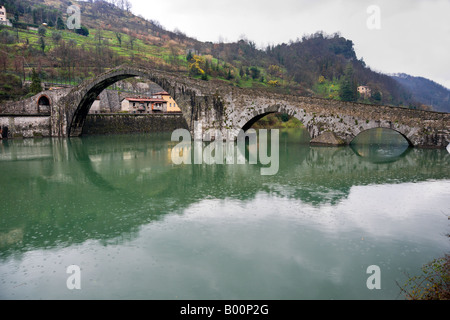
(91, 188)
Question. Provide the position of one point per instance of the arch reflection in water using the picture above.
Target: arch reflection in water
(380, 145)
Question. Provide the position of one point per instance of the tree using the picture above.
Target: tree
(376, 97)
(255, 72)
(274, 70)
(348, 90)
(131, 40)
(127, 4)
(36, 86)
(83, 31)
(42, 31)
(42, 43)
(196, 66)
(189, 56)
(56, 36)
(229, 75)
(119, 38)
(60, 24)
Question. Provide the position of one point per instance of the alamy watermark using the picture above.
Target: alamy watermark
(224, 150)
(374, 280)
(374, 20)
(74, 20)
(74, 280)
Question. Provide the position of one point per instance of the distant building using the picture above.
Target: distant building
(144, 105)
(192, 51)
(172, 106)
(365, 91)
(2, 13)
(3, 18)
(95, 108)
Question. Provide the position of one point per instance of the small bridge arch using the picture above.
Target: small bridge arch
(346, 120)
(247, 120)
(393, 130)
(43, 104)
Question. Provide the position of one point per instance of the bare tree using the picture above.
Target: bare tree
(127, 5)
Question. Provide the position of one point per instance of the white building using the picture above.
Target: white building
(3, 18)
(2, 13)
(143, 105)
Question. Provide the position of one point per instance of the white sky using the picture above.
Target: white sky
(414, 37)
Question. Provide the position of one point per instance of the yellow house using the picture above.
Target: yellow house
(171, 104)
(364, 91)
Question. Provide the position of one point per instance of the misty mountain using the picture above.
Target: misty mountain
(426, 91)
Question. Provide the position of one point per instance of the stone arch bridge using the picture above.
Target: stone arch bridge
(222, 107)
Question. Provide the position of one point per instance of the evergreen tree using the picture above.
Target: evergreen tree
(348, 90)
(229, 75)
(241, 72)
(42, 31)
(83, 31)
(60, 24)
(42, 44)
(36, 86)
(207, 67)
(255, 72)
(189, 56)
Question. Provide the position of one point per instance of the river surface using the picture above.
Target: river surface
(140, 227)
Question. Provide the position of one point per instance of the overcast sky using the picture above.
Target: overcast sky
(413, 38)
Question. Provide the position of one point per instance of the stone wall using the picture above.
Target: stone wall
(30, 106)
(26, 126)
(133, 123)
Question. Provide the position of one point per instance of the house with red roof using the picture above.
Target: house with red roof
(143, 105)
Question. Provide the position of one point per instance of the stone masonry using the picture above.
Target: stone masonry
(226, 109)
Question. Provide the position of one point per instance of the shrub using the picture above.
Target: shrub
(432, 284)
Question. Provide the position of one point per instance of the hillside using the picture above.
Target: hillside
(426, 91)
(317, 65)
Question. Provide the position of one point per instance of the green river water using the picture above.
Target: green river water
(141, 227)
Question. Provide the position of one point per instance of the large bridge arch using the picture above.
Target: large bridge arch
(80, 99)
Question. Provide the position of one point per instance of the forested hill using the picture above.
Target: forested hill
(316, 65)
(426, 91)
